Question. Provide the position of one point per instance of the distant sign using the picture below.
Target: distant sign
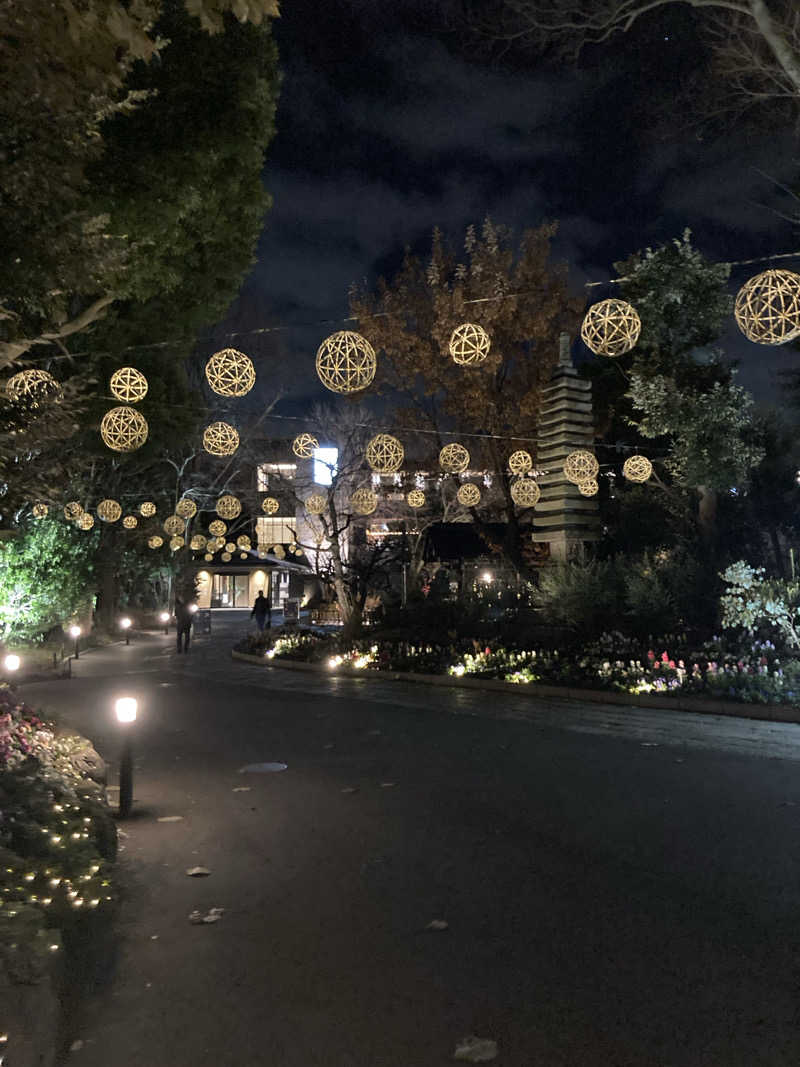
(291, 610)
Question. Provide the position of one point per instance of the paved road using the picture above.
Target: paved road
(620, 888)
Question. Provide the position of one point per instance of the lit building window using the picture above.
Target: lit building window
(325, 465)
(280, 471)
(275, 530)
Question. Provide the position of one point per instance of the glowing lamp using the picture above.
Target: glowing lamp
(12, 662)
(75, 631)
(125, 709)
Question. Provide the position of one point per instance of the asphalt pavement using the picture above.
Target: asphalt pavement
(619, 887)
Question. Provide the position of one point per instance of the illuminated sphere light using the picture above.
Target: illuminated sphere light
(525, 493)
(468, 495)
(130, 522)
(228, 507)
(176, 542)
(33, 386)
(364, 501)
(520, 462)
(128, 385)
(243, 555)
(611, 327)
(279, 552)
(216, 544)
(316, 504)
(186, 508)
(174, 524)
(72, 510)
(385, 454)
(217, 527)
(269, 505)
(243, 541)
(767, 308)
(147, 509)
(230, 373)
(416, 499)
(580, 466)
(220, 439)
(454, 458)
(230, 547)
(262, 553)
(85, 521)
(469, 344)
(109, 510)
(198, 543)
(225, 557)
(589, 487)
(208, 557)
(304, 444)
(124, 429)
(346, 362)
(40, 511)
(637, 468)
(155, 541)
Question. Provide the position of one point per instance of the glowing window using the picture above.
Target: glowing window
(325, 460)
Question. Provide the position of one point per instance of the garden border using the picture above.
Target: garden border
(535, 690)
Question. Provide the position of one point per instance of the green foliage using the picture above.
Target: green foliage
(45, 576)
(585, 596)
(753, 601)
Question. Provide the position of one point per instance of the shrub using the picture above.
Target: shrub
(584, 596)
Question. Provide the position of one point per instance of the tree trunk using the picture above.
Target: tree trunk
(707, 513)
(108, 580)
(780, 568)
(775, 38)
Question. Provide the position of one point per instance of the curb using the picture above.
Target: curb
(536, 691)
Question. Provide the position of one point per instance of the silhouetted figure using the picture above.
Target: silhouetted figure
(262, 611)
(183, 618)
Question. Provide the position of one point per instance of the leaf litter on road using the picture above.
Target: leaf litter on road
(263, 768)
(197, 872)
(242, 788)
(475, 1050)
(350, 789)
(213, 915)
(438, 924)
(171, 818)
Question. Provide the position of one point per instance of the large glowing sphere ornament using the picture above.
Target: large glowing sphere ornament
(525, 493)
(269, 505)
(469, 344)
(611, 327)
(208, 557)
(217, 527)
(454, 458)
(176, 542)
(40, 511)
(32, 386)
(72, 510)
(147, 509)
(385, 454)
(316, 504)
(280, 552)
(243, 541)
(230, 373)
(197, 543)
(220, 439)
(364, 501)
(580, 466)
(225, 557)
(346, 362)
(637, 468)
(85, 521)
(228, 507)
(416, 499)
(130, 522)
(767, 308)
(468, 495)
(186, 507)
(520, 462)
(109, 510)
(128, 385)
(174, 524)
(589, 487)
(303, 445)
(124, 429)
(230, 547)
(155, 541)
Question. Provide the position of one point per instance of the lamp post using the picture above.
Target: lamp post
(75, 633)
(125, 708)
(126, 626)
(164, 617)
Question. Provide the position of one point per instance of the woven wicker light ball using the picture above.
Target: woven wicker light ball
(520, 462)
(72, 510)
(217, 527)
(128, 385)
(225, 557)
(385, 454)
(611, 327)
(230, 373)
(198, 543)
(243, 555)
(40, 511)
(262, 553)
(316, 504)
(580, 466)
(220, 439)
(230, 547)
(147, 509)
(33, 386)
(304, 444)
(243, 541)
(186, 508)
(269, 505)
(767, 308)
(454, 458)
(124, 429)
(108, 510)
(589, 487)
(416, 499)
(216, 543)
(228, 507)
(176, 542)
(279, 552)
(130, 522)
(346, 362)
(364, 501)
(85, 521)
(637, 468)
(174, 524)
(155, 541)
(525, 493)
(468, 495)
(208, 557)
(469, 344)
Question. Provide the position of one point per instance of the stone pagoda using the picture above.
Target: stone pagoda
(563, 518)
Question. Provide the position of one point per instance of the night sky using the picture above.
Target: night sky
(393, 121)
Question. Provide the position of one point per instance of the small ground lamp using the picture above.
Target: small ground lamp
(193, 608)
(11, 663)
(126, 626)
(487, 576)
(164, 616)
(125, 709)
(75, 633)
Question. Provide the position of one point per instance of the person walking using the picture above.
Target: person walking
(262, 611)
(183, 617)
